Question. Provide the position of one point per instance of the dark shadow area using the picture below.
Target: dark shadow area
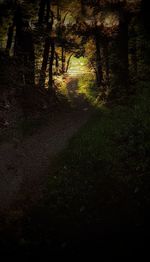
(94, 242)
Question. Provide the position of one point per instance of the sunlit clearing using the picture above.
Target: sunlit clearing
(78, 66)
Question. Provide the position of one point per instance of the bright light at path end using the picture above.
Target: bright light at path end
(78, 66)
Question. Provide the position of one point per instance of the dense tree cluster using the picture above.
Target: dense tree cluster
(39, 38)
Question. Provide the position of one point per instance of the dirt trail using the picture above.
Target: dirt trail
(25, 165)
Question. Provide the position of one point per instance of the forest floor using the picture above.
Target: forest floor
(85, 189)
(25, 160)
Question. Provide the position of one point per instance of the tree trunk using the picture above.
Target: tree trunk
(122, 51)
(25, 61)
(10, 37)
(58, 12)
(68, 63)
(19, 27)
(29, 58)
(133, 53)
(46, 46)
(44, 63)
(83, 10)
(24, 50)
(18, 52)
(63, 60)
(25, 57)
(145, 14)
(107, 66)
(57, 63)
(50, 88)
(99, 74)
(41, 11)
(47, 11)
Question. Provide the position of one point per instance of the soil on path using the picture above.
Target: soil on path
(25, 164)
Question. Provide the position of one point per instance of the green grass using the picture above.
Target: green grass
(87, 87)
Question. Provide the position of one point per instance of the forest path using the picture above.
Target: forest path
(25, 164)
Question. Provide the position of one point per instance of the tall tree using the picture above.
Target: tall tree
(24, 49)
(119, 53)
(99, 73)
(122, 42)
(49, 25)
(51, 61)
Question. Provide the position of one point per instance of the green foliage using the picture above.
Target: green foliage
(87, 87)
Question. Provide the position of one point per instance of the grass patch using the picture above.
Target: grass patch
(87, 87)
